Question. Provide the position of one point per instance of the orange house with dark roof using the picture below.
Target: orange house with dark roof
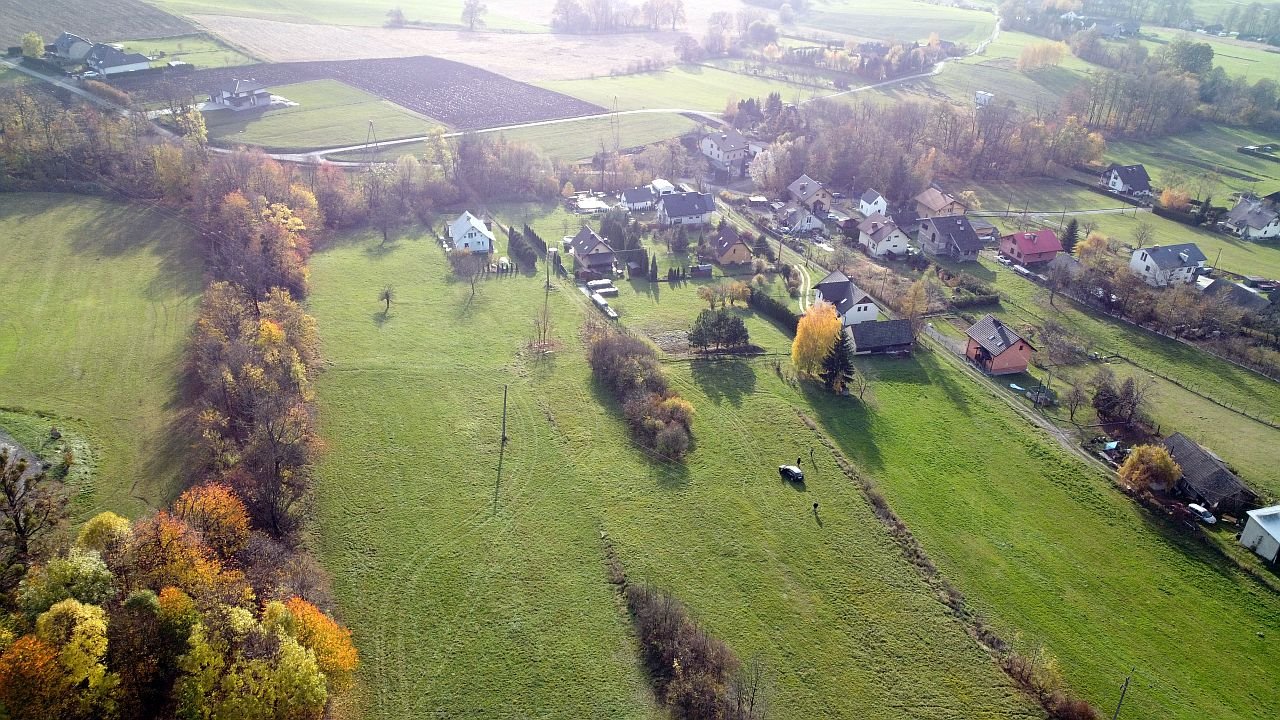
(1029, 248)
(996, 349)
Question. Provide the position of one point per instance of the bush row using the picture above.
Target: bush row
(771, 308)
(628, 367)
(520, 249)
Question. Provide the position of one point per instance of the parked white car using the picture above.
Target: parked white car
(1202, 513)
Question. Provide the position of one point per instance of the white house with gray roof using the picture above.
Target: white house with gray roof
(1254, 219)
(1162, 266)
(852, 304)
(872, 203)
(470, 233)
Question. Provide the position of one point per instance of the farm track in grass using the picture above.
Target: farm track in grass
(464, 609)
(461, 96)
(106, 21)
(96, 300)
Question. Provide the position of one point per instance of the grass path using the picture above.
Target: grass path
(96, 299)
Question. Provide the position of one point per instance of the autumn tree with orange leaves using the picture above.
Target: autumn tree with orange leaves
(815, 336)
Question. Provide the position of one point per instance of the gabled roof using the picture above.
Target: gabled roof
(241, 87)
(1135, 176)
(66, 40)
(870, 196)
(994, 336)
(877, 227)
(466, 222)
(1042, 241)
(687, 204)
(662, 186)
(840, 291)
(728, 139)
(1252, 213)
(639, 195)
(935, 199)
(882, 334)
(1241, 297)
(794, 215)
(586, 241)
(1168, 257)
(726, 240)
(956, 230)
(105, 56)
(1073, 266)
(804, 188)
(1202, 471)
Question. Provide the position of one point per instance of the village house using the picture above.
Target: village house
(640, 198)
(591, 252)
(727, 151)
(882, 337)
(729, 248)
(1127, 179)
(108, 60)
(470, 233)
(852, 304)
(872, 203)
(1206, 479)
(1236, 294)
(1168, 265)
(811, 194)
(932, 202)
(71, 48)
(949, 236)
(1255, 218)
(686, 208)
(1261, 532)
(797, 220)
(880, 236)
(240, 95)
(1029, 248)
(996, 348)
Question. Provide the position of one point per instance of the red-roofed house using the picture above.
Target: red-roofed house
(1029, 248)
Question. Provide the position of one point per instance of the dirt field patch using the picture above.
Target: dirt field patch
(525, 57)
(107, 20)
(462, 96)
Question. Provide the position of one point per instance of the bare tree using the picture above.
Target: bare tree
(473, 12)
(1075, 398)
(387, 295)
(1059, 279)
(468, 266)
(1143, 234)
(747, 689)
(31, 504)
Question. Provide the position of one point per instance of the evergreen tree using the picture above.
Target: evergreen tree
(653, 269)
(1203, 213)
(837, 367)
(1070, 236)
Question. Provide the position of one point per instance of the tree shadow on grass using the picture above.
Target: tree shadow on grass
(848, 421)
(729, 379)
(380, 318)
(666, 474)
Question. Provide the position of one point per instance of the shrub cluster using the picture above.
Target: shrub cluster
(520, 249)
(107, 92)
(720, 329)
(628, 367)
(534, 240)
(771, 308)
(694, 673)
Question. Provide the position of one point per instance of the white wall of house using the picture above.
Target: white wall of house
(711, 148)
(1259, 540)
(807, 222)
(134, 67)
(1144, 267)
(869, 209)
(1115, 183)
(896, 243)
(664, 219)
(473, 240)
(1271, 230)
(866, 312)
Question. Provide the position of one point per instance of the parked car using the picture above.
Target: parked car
(791, 473)
(1200, 512)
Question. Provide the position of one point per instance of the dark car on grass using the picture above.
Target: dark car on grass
(791, 473)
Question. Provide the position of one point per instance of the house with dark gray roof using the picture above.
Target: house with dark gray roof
(852, 304)
(1237, 295)
(729, 248)
(872, 203)
(949, 236)
(108, 60)
(812, 194)
(71, 47)
(1162, 266)
(1206, 479)
(1127, 179)
(996, 348)
(640, 198)
(591, 252)
(240, 95)
(881, 236)
(687, 208)
(882, 337)
(727, 151)
(1254, 219)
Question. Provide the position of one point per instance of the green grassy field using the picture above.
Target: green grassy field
(329, 114)
(685, 87)
(96, 299)
(1237, 255)
(1254, 448)
(342, 12)
(489, 599)
(202, 51)
(1034, 195)
(1250, 61)
(895, 20)
(1209, 149)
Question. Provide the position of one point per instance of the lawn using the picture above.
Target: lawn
(897, 20)
(684, 87)
(1238, 59)
(369, 13)
(474, 597)
(1034, 194)
(1237, 255)
(202, 51)
(1254, 448)
(329, 114)
(96, 299)
(1209, 149)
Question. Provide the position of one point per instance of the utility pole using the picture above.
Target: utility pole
(1123, 689)
(501, 449)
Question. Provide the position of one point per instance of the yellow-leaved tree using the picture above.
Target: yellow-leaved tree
(1150, 466)
(815, 336)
